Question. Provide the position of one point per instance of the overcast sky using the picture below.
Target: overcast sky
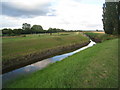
(64, 14)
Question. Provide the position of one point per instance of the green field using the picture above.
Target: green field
(19, 46)
(95, 67)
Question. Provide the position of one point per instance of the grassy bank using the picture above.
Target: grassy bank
(96, 67)
(100, 36)
(23, 45)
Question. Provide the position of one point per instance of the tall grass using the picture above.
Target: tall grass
(19, 46)
(101, 36)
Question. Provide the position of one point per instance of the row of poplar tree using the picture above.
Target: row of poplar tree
(111, 17)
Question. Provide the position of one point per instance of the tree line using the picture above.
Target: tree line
(35, 29)
(111, 17)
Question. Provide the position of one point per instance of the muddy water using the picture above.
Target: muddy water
(39, 65)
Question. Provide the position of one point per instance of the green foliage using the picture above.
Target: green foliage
(111, 17)
(54, 30)
(37, 29)
(26, 26)
(17, 31)
(95, 67)
(7, 31)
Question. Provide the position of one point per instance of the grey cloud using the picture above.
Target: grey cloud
(9, 10)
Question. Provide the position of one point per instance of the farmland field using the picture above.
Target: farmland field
(19, 46)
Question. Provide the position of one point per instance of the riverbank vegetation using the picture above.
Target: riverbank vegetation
(100, 36)
(95, 67)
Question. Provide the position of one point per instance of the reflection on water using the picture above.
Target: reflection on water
(39, 65)
(25, 70)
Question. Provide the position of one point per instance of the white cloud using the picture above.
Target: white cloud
(78, 15)
(70, 14)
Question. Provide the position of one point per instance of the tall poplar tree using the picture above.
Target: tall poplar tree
(111, 17)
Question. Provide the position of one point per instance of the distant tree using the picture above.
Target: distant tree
(37, 29)
(26, 26)
(50, 30)
(55, 30)
(97, 30)
(17, 31)
(7, 32)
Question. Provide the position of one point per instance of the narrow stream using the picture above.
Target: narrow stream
(39, 65)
